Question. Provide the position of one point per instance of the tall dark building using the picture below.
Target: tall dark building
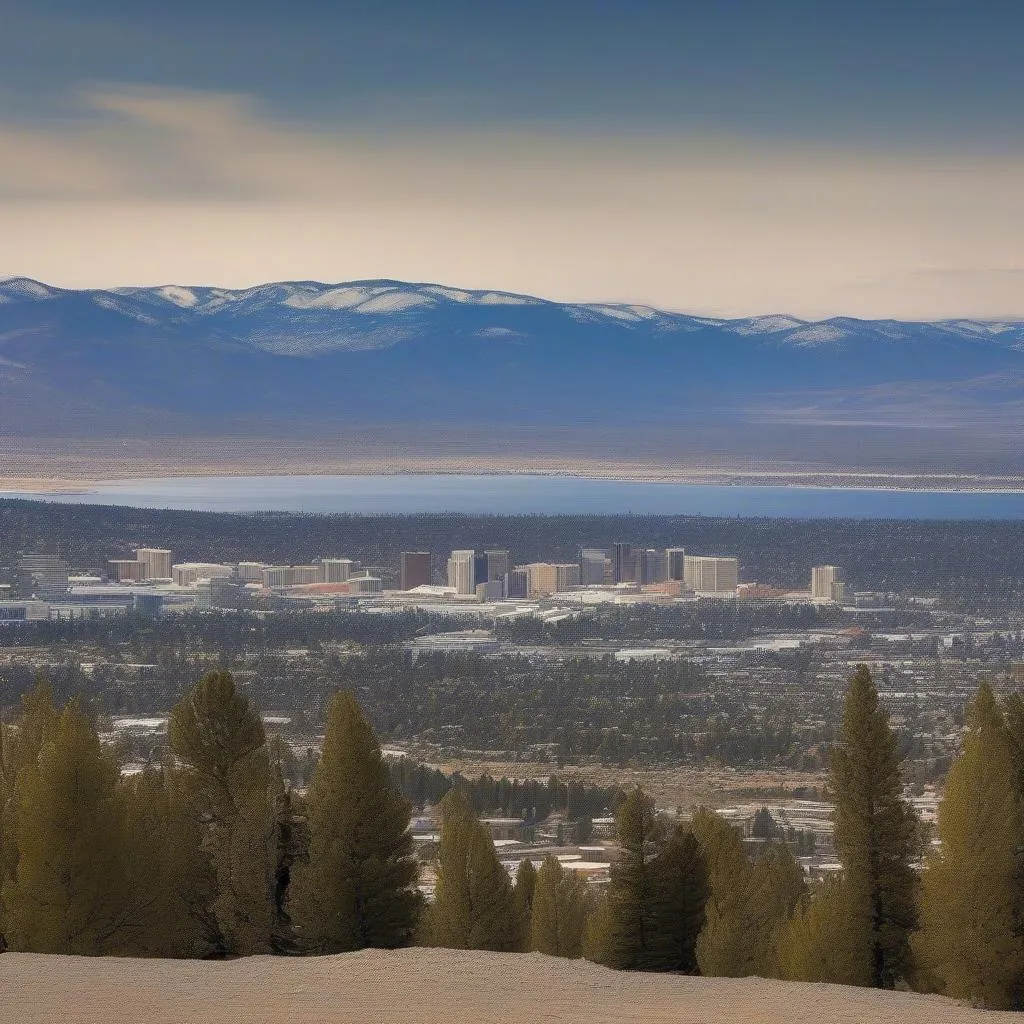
(480, 569)
(415, 569)
(625, 563)
(675, 559)
(498, 565)
(517, 583)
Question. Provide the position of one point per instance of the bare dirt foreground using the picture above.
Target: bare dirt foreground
(424, 986)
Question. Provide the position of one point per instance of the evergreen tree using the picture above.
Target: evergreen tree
(559, 911)
(777, 889)
(357, 886)
(677, 895)
(474, 904)
(221, 746)
(20, 745)
(68, 893)
(875, 837)
(729, 942)
(168, 879)
(970, 946)
(627, 911)
(526, 884)
(816, 944)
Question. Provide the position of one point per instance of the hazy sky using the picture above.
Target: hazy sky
(727, 156)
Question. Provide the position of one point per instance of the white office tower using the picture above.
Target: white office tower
(675, 563)
(706, 575)
(337, 570)
(462, 572)
(156, 563)
(592, 562)
(827, 583)
(250, 572)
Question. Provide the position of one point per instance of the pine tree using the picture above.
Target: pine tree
(68, 893)
(627, 918)
(20, 745)
(559, 911)
(474, 905)
(168, 880)
(729, 942)
(357, 886)
(221, 746)
(525, 886)
(875, 837)
(777, 889)
(816, 944)
(677, 895)
(970, 946)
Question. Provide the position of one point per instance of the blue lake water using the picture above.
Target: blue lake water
(519, 494)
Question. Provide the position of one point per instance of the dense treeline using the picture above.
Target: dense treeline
(530, 799)
(637, 712)
(232, 633)
(975, 562)
(213, 854)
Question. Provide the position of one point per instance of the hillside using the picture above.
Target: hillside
(423, 986)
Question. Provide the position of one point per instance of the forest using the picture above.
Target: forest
(214, 853)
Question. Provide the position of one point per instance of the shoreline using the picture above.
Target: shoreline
(40, 487)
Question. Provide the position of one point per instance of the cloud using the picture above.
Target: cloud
(205, 187)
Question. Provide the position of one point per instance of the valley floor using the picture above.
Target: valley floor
(424, 986)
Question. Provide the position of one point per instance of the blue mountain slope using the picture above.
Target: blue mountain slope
(387, 351)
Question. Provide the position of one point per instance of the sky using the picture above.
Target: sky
(731, 157)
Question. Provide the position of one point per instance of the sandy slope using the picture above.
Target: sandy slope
(422, 986)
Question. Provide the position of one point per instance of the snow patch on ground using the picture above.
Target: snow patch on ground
(393, 302)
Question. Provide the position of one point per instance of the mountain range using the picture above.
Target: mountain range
(305, 355)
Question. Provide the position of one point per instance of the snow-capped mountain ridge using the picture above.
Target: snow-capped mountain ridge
(384, 298)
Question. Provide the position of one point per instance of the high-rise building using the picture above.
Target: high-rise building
(498, 564)
(415, 570)
(250, 572)
(185, 574)
(827, 583)
(652, 566)
(42, 576)
(674, 563)
(625, 563)
(336, 570)
(157, 562)
(517, 584)
(546, 578)
(710, 575)
(592, 566)
(123, 570)
(462, 571)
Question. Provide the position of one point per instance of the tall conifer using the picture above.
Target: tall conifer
(68, 892)
(357, 886)
(875, 836)
(559, 911)
(970, 945)
(474, 905)
(221, 747)
(728, 944)
(676, 899)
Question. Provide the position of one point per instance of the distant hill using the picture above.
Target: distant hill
(303, 356)
(431, 986)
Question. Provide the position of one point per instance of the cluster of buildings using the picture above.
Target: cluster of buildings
(46, 587)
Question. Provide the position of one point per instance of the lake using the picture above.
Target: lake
(521, 494)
